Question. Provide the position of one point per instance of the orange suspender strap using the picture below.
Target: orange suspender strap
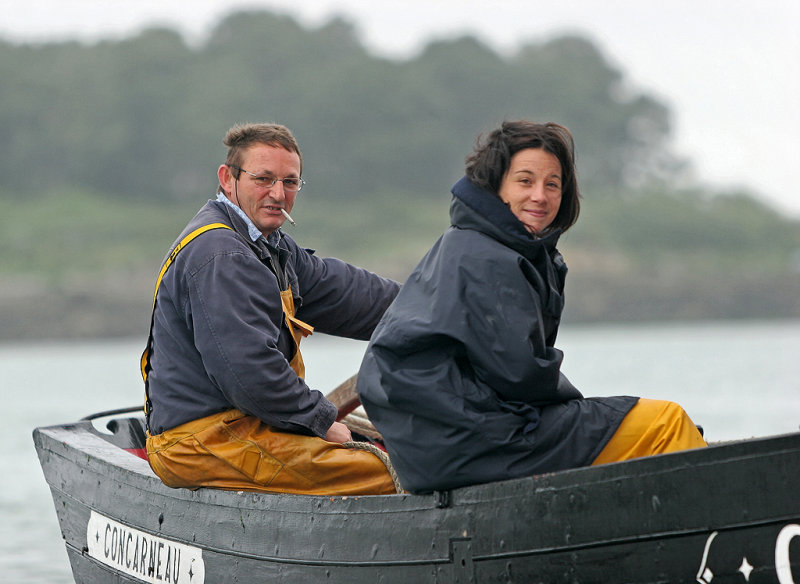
(145, 360)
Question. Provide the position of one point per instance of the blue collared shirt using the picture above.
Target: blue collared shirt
(252, 230)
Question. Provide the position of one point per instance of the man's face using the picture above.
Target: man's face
(259, 200)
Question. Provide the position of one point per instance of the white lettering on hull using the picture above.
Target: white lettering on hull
(783, 562)
(142, 555)
(783, 565)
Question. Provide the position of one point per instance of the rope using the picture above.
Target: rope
(361, 424)
(382, 456)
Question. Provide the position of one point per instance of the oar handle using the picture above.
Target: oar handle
(345, 397)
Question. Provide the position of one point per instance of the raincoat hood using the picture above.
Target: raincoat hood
(481, 210)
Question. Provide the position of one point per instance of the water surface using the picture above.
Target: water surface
(735, 379)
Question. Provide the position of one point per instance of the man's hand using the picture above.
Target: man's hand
(338, 432)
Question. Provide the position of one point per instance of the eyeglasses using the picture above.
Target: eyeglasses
(265, 181)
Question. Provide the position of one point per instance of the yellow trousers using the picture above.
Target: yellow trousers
(651, 427)
(232, 450)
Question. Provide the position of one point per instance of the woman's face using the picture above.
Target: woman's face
(532, 188)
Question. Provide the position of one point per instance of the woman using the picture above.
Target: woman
(461, 376)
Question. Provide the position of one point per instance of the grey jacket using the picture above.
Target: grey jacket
(220, 340)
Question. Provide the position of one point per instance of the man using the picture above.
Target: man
(227, 405)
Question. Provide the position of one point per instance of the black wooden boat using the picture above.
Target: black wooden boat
(727, 513)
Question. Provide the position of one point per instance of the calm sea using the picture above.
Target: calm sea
(735, 379)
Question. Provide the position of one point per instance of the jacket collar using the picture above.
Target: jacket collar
(274, 246)
(252, 230)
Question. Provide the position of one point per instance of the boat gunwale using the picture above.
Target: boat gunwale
(109, 453)
(81, 444)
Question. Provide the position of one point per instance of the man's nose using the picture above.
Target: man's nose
(277, 190)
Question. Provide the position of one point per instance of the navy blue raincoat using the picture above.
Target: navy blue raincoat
(462, 376)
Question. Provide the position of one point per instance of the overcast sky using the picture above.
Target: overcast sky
(728, 69)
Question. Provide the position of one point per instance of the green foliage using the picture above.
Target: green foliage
(107, 150)
(720, 232)
(144, 117)
(67, 233)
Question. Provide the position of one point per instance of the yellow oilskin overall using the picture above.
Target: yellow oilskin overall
(233, 450)
(651, 427)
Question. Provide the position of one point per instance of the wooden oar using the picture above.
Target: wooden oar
(345, 397)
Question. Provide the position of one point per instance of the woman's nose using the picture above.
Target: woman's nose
(537, 193)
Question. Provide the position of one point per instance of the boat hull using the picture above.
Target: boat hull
(728, 513)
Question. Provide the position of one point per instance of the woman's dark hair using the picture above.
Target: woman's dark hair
(491, 159)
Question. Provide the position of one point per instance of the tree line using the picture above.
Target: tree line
(107, 148)
(144, 116)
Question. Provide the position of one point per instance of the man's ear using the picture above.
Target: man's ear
(226, 179)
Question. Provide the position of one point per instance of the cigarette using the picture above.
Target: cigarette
(289, 217)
